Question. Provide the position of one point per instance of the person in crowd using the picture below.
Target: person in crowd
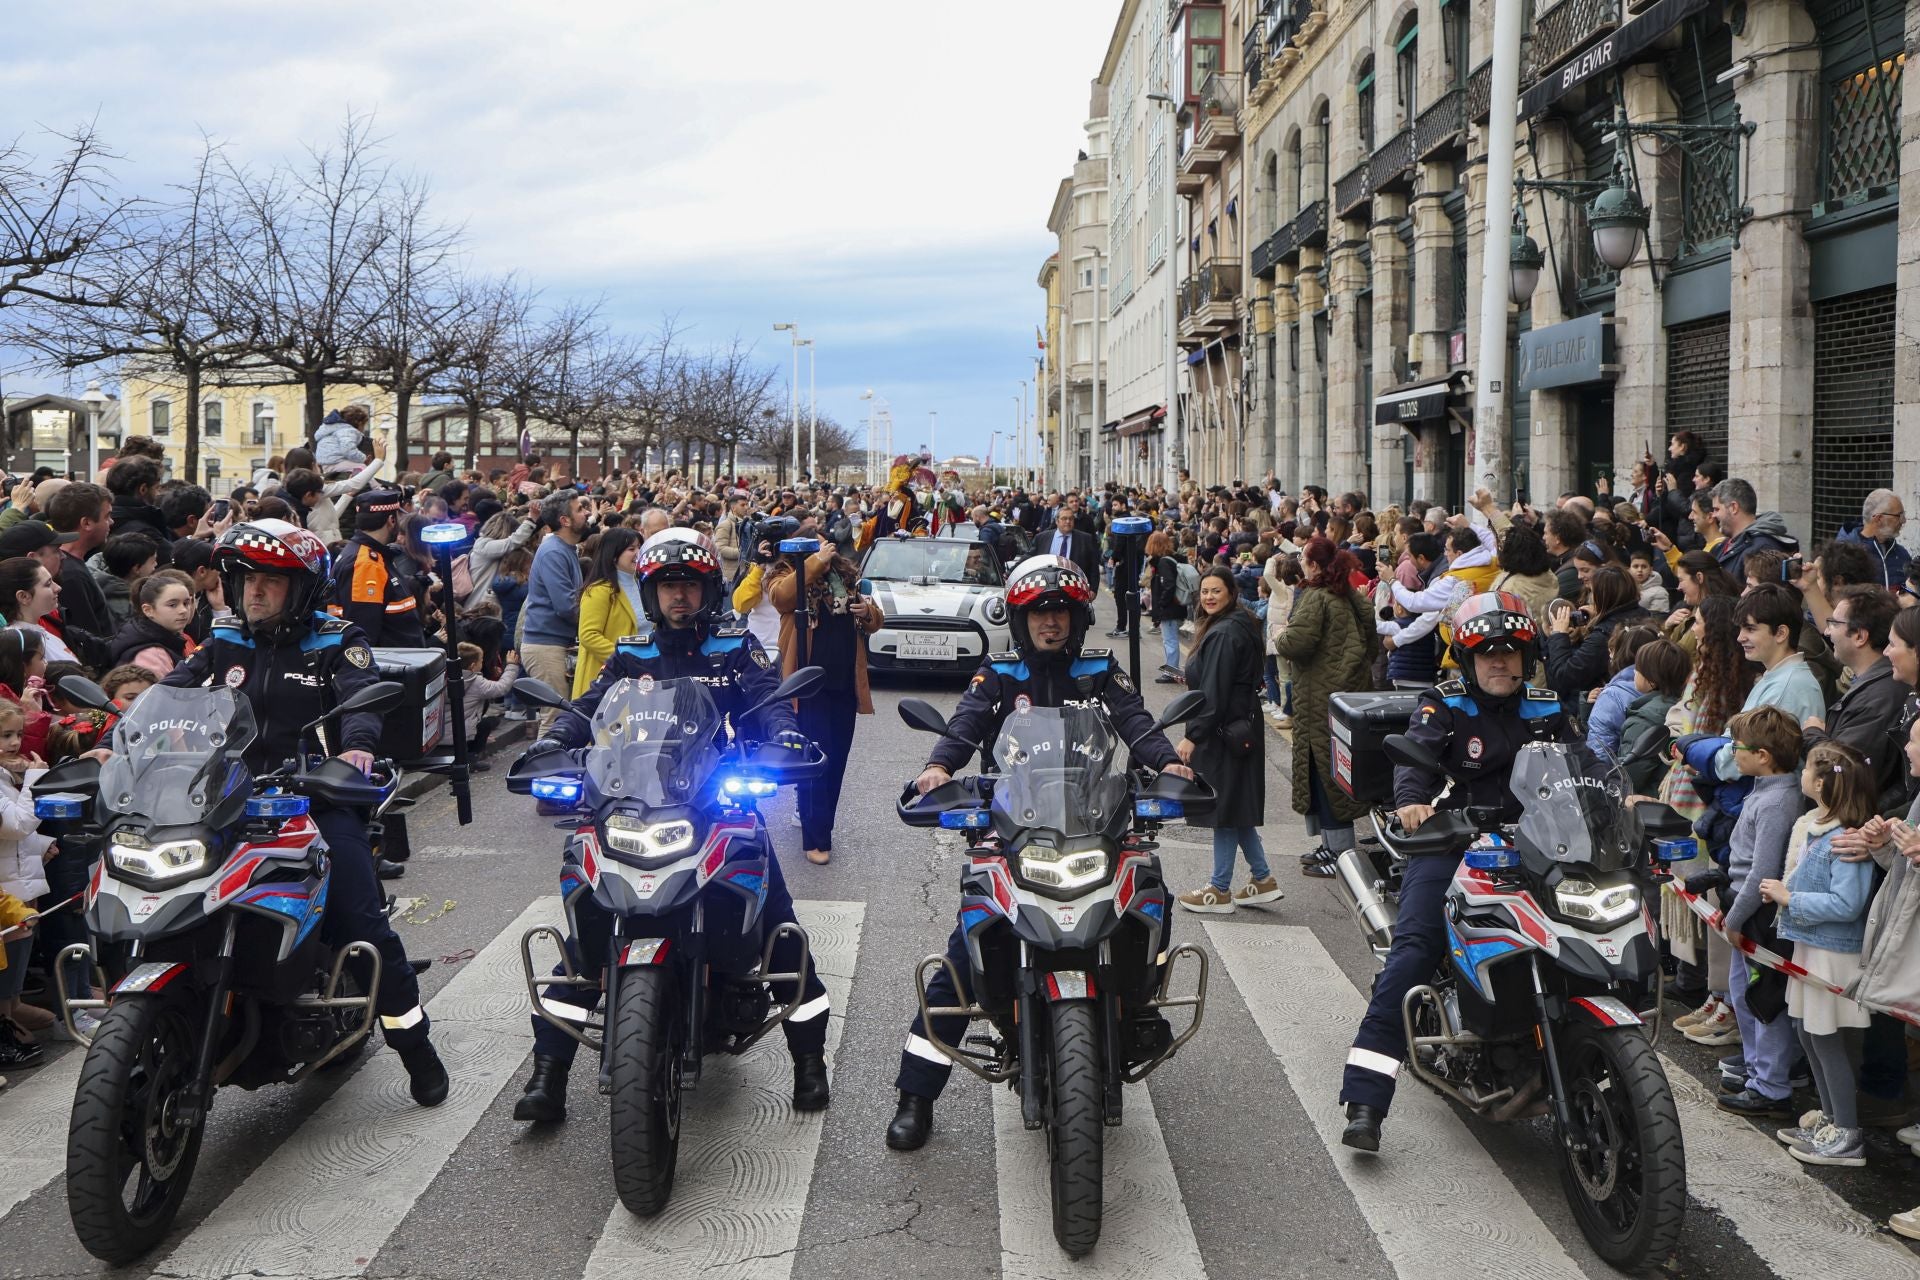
(1699, 575)
(1836, 565)
(131, 482)
(750, 598)
(1577, 664)
(1608, 718)
(1411, 639)
(481, 694)
(837, 619)
(23, 877)
(1642, 569)
(194, 558)
(500, 533)
(155, 636)
(1882, 516)
(125, 684)
(1747, 530)
(82, 514)
(1283, 579)
(441, 475)
(1069, 543)
(1823, 900)
(609, 604)
(28, 598)
(1330, 642)
(1164, 607)
(125, 558)
(374, 578)
(1526, 570)
(550, 620)
(1660, 671)
(1563, 531)
(1225, 743)
(1865, 717)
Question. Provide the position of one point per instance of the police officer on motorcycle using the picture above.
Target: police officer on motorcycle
(682, 592)
(1050, 603)
(294, 662)
(1476, 723)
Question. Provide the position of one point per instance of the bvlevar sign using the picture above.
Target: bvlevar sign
(1615, 50)
(1565, 355)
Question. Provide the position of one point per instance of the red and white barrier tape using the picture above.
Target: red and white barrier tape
(1716, 920)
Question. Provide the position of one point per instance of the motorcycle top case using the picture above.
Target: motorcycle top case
(416, 728)
(1361, 724)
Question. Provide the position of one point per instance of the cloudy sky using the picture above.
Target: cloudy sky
(879, 171)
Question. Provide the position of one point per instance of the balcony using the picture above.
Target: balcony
(1310, 227)
(1253, 59)
(1441, 127)
(1267, 253)
(1353, 191)
(1201, 153)
(1218, 125)
(1479, 92)
(1390, 169)
(1568, 27)
(1209, 300)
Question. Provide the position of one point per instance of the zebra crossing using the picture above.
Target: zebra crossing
(331, 1196)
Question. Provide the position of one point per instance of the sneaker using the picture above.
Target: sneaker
(1733, 1067)
(1803, 1133)
(1207, 900)
(1906, 1224)
(1720, 1029)
(1283, 722)
(1834, 1146)
(1256, 892)
(15, 1055)
(1705, 1011)
(1909, 1135)
(1749, 1103)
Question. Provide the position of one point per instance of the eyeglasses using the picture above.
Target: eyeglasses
(1746, 746)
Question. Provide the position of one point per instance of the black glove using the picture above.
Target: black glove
(792, 740)
(1707, 881)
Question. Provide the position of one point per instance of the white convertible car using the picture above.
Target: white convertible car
(944, 601)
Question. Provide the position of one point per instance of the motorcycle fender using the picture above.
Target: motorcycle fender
(150, 978)
(1069, 984)
(125, 911)
(629, 891)
(1579, 957)
(1057, 926)
(1603, 1011)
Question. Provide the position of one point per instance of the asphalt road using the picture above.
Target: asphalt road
(1227, 1166)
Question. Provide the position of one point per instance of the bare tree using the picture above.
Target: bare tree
(479, 333)
(728, 393)
(545, 359)
(413, 335)
(53, 216)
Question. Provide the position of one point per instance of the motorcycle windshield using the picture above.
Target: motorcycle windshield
(1062, 768)
(177, 753)
(1573, 804)
(654, 741)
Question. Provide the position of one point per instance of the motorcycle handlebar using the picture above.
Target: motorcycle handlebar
(917, 810)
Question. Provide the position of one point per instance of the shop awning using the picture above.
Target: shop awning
(1145, 420)
(1608, 54)
(1412, 403)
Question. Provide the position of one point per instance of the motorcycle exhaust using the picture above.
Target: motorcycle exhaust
(1353, 882)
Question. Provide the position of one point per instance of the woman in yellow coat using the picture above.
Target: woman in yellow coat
(609, 604)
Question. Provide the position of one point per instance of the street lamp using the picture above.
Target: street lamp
(96, 401)
(1524, 261)
(793, 396)
(1618, 219)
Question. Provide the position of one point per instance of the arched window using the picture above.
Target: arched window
(1296, 175)
(1363, 106)
(1323, 151)
(1406, 68)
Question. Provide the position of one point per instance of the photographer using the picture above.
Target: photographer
(1576, 666)
(750, 599)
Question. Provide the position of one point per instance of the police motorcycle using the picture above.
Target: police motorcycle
(1553, 944)
(1064, 907)
(208, 902)
(666, 837)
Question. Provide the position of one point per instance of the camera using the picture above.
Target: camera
(1580, 617)
(770, 530)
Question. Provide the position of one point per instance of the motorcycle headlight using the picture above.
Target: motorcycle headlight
(1599, 904)
(133, 855)
(627, 834)
(1054, 868)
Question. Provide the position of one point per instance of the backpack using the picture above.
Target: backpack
(1186, 587)
(462, 580)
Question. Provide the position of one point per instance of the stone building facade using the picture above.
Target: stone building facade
(1077, 323)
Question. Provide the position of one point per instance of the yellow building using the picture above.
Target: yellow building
(246, 418)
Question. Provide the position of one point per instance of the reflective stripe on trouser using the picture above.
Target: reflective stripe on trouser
(923, 1068)
(357, 912)
(806, 1030)
(1419, 947)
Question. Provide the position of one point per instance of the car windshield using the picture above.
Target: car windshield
(1573, 806)
(177, 753)
(654, 741)
(931, 560)
(1063, 769)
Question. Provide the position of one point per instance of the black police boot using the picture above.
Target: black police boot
(426, 1075)
(810, 1091)
(1363, 1127)
(388, 870)
(911, 1123)
(545, 1097)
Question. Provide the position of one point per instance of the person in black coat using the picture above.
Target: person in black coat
(1070, 544)
(131, 482)
(1574, 668)
(1163, 603)
(1226, 665)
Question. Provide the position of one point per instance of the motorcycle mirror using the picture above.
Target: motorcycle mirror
(538, 692)
(384, 696)
(79, 689)
(1405, 751)
(1184, 707)
(921, 715)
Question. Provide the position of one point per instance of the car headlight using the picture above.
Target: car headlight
(173, 860)
(1600, 904)
(995, 610)
(627, 834)
(1063, 869)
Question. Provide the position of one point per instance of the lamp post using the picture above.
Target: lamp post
(793, 391)
(96, 401)
(1171, 445)
(1094, 444)
(1490, 368)
(813, 416)
(933, 444)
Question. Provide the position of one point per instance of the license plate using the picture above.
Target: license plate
(929, 647)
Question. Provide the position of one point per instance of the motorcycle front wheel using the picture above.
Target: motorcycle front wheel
(1076, 1130)
(1628, 1184)
(130, 1152)
(643, 1060)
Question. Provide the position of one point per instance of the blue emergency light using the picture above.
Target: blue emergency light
(61, 804)
(1131, 527)
(1154, 807)
(560, 790)
(444, 535)
(966, 819)
(276, 806)
(799, 546)
(1492, 853)
(749, 787)
(1685, 849)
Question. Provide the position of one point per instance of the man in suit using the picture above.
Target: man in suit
(1075, 546)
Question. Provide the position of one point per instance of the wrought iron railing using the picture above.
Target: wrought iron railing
(1440, 125)
(1391, 166)
(1479, 91)
(1568, 27)
(1310, 226)
(1253, 58)
(1353, 189)
(1709, 198)
(1220, 92)
(1860, 154)
(1219, 280)
(1265, 255)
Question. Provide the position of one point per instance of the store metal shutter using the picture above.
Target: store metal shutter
(1697, 382)
(1852, 405)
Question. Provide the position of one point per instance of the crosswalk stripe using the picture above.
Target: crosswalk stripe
(746, 1157)
(34, 1133)
(1308, 1010)
(328, 1198)
(1792, 1220)
(1144, 1229)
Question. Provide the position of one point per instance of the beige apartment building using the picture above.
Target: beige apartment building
(1076, 306)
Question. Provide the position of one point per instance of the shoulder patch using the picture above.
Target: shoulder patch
(359, 655)
(727, 633)
(1451, 688)
(1096, 653)
(1011, 656)
(327, 622)
(1542, 695)
(723, 643)
(638, 637)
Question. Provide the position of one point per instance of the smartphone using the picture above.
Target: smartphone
(1791, 568)
(218, 511)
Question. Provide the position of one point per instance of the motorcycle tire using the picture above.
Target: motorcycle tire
(1076, 1127)
(1631, 1201)
(129, 1162)
(645, 1104)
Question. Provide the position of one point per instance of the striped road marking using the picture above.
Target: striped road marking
(1412, 1197)
(327, 1199)
(33, 1127)
(746, 1156)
